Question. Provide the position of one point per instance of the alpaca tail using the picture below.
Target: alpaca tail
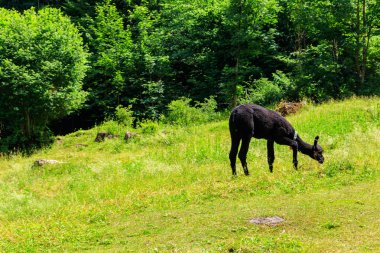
(232, 123)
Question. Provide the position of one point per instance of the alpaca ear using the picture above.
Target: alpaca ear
(316, 141)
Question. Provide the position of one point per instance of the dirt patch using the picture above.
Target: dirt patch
(267, 220)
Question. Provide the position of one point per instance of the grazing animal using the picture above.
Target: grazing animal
(250, 120)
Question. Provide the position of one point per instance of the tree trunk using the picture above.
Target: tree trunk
(238, 49)
(364, 44)
(363, 34)
(27, 124)
(357, 39)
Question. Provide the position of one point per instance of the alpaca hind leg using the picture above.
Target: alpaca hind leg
(243, 154)
(235, 141)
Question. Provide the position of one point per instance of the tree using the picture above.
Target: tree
(190, 30)
(331, 40)
(42, 67)
(111, 61)
(151, 64)
(367, 22)
(249, 31)
(27, 4)
(318, 38)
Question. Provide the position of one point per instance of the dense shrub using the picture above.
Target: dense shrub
(124, 116)
(264, 91)
(149, 126)
(121, 121)
(111, 127)
(180, 112)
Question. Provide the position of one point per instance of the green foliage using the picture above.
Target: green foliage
(149, 126)
(373, 87)
(192, 42)
(112, 127)
(322, 78)
(208, 107)
(151, 64)
(149, 53)
(330, 42)
(118, 125)
(152, 99)
(127, 64)
(250, 29)
(124, 116)
(266, 92)
(42, 67)
(182, 113)
(111, 46)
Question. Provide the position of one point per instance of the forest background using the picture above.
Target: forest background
(69, 64)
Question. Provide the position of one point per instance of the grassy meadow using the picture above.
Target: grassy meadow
(172, 190)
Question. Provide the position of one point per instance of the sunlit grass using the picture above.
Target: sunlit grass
(172, 191)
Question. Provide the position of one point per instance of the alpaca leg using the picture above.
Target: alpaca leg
(293, 144)
(270, 154)
(243, 153)
(295, 161)
(235, 141)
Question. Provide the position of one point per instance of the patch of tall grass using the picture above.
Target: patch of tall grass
(136, 195)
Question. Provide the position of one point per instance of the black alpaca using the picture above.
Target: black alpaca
(249, 120)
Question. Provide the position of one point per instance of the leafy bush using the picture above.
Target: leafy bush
(149, 126)
(124, 116)
(112, 127)
(264, 91)
(208, 108)
(182, 113)
(118, 125)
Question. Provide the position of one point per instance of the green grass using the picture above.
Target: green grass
(172, 191)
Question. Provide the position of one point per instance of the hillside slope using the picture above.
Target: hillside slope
(172, 191)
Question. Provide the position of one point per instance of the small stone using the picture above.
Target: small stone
(100, 136)
(81, 145)
(42, 162)
(128, 135)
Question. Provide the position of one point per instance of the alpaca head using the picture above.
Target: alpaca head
(317, 151)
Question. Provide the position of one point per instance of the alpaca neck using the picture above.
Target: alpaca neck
(303, 147)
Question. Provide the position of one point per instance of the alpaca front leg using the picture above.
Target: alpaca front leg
(293, 144)
(270, 155)
(295, 150)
